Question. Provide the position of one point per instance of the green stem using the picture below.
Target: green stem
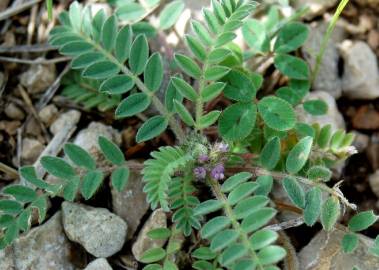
(326, 38)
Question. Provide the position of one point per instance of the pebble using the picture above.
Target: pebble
(366, 117)
(316, 7)
(361, 141)
(31, 149)
(374, 182)
(66, 119)
(48, 114)
(38, 78)
(99, 231)
(99, 264)
(14, 112)
(372, 151)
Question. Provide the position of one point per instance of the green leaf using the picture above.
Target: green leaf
(237, 121)
(215, 73)
(209, 119)
(79, 156)
(133, 105)
(277, 113)
(41, 205)
(152, 128)
(291, 66)
(337, 139)
(139, 54)
(159, 234)
(154, 266)
(196, 48)
(270, 154)
(325, 136)
(131, 12)
(212, 21)
(76, 48)
(263, 238)
(255, 35)
(109, 33)
(86, 59)
(257, 219)
(223, 239)
(91, 183)
(291, 37)
(271, 255)
(319, 173)
(204, 253)
(144, 28)
(298, 155)
(202, 33)
(24, 220)
(10, 207)
(249, 205)
(362, 221)
(120, 178)
(188, 66)
(349, 242)
(295, 191)
(212, 91)
(116, 85)
(57, 167)
(101, 70)
(218, 55)
(184, 88)
(329, 213)
(313, 202)
(304, 130)
(289, 95)
(266, 183)
(207, 207)
(111, 151)
(172, 94)
(153, 255)
(170, 14)
(20, 193)
(234, 181)
(239, 87)
(214, 226)
(241, 192)
(124, 43)
(71, 189)
(316, 107)
(225, 38)
(184, 114)
(232, 254)
(153, 75)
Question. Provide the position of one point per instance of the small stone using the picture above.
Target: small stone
(31, 149)
(372, 151)
(366, 117)
(157, 220)
(10, 127)
(88, 138)
(332, 117)
(131, 204)
(361, 75)
(316, 7)
(33, 128)
(361, 141)
(66, 119)
(99, 264)
(44, 247)
(99, 231)
(14, 112)
(38, 78)
(48, 114)
(3, 5)
(373, 39)
(324, 253)
(374, 182)
(6, 259)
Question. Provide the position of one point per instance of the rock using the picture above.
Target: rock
(374, 182)
(157, 219)
(33, 128)
(316, 7)
(88, 138)
(3, 5)
(361, 75)
(48, 114)
(361, 141)
(44, 247)
(328, 78)
(332, 117)
(324, 253)
(38, 78)
(366, 117)
(99, 264)
(67, 118)
(372, 151)
(99, 231)
(131, 204)
(31, 149)
(6, 259)
(373, 39)
(14, 112)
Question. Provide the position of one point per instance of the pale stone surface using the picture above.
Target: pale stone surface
(99, 231)
(38, 78)
(31, 149)
(48, 114)
(99, 264)
(157, 219)
(6, 259)
(374, 182)
(361, 74)
(14, 112)
(332, 117)
(316, 7)
(131, 204)
(324, 253)
(66, 119)
(44, 247)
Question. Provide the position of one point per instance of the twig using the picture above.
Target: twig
(17, 9)
(34, 62)
(8, 170)
(291, 261)
(286, 224)
(36, 48)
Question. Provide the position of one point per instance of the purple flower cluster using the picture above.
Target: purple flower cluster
(218, 171)
(200, 173)
(222, 147)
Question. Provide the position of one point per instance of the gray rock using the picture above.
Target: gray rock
(324, 252)
(361, 141)
(65, 119)
(131, 204)
(157, 219)
(88, 138)
(316, 7)
(31, 149)
(44, 247)
(48, 114)
(6, 259)
(14, 112)
(328, 78)
(332, 117)
(361, 74)
(99, 264)
(99, 231)
(38, 78)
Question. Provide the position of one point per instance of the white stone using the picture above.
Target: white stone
(99, 264)
(48, 114)
(31, 149)
(66, 119)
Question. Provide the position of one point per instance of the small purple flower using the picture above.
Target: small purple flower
(217, 172)
(203, 158)
(200, 173)
(222, 147)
